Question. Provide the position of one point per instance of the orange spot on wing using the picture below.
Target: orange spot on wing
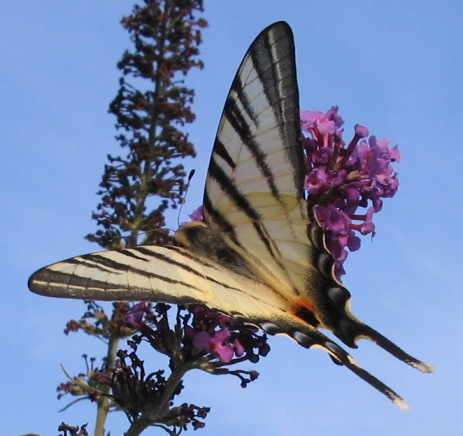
(305, 310)
(300, 302)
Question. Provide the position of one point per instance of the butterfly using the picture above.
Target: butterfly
(259, 254)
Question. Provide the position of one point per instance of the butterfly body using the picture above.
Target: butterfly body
(259, 255)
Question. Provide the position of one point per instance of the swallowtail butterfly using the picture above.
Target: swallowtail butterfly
(259, 255)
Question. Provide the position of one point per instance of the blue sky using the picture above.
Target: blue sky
(393, 66)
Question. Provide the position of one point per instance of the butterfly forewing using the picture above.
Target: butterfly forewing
(150, 273)
(254, 185)
(258, 144)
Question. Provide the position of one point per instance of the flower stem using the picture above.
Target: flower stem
(104, 401)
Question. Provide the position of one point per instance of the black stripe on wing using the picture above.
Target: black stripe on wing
(245, 206)
(221, 151)
(236, 93)
(235, 117)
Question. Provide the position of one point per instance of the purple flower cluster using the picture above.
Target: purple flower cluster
(223, 337)
(343, 177)
(204, 333)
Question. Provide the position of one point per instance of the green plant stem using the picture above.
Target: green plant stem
(104, 401)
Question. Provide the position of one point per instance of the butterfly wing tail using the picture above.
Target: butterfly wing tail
(342, 322)
(309, 337)
(340, 356)
(365, 331)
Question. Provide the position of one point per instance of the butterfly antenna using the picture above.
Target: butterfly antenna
(190, 176)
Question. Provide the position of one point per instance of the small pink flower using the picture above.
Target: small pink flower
(197, 214)
(214, 344)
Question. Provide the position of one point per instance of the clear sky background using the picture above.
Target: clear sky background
(393, 66)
